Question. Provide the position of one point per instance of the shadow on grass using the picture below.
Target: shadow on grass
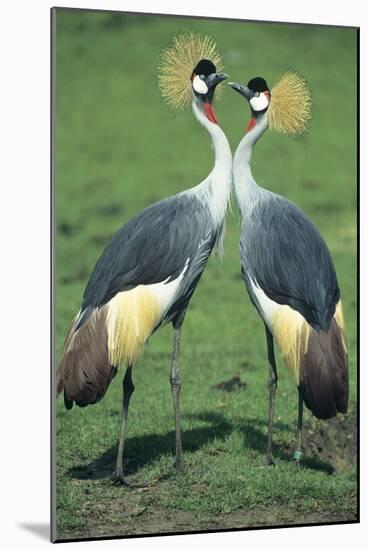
(146, 449)
(254, 433)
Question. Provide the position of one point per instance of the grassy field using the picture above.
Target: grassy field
(120, 149)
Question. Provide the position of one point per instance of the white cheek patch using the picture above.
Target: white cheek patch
(199, 85)
(259, 103)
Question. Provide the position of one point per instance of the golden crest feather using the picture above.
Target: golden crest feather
(177, 63)
(290, 106)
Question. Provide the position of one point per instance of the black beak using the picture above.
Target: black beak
(243, 90)
(214, 79)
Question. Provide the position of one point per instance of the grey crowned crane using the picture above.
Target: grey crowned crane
(148, 273)
(287, 267)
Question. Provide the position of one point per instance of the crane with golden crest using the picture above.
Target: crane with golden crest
(147, 274)
(287, 267)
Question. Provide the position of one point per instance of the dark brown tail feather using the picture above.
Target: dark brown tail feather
(324, 373)
(84, 372)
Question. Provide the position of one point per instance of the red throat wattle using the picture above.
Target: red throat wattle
(209, 112)
(250, 125)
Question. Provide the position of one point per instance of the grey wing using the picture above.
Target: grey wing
(152, 247)
(195, 269)
(285, 255)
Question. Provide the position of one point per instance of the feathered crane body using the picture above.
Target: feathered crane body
(287, 267)
(149, 271)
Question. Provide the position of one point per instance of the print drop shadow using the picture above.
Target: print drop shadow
(41, 530)
(145, 449)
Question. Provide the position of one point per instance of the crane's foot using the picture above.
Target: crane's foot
(179, 464)
(297, 457)
(269, 460)
(118, 478)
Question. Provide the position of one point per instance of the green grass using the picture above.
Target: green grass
(120, 149)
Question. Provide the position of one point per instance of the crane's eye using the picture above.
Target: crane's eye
(257, 94)
(202, 77)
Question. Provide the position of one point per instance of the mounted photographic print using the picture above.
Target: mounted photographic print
(204, 274)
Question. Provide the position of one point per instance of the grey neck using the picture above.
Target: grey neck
(247, 190)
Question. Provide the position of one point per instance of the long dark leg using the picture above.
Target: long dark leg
(175, 382)
(298, 453)
(272, 385)
(128, 389)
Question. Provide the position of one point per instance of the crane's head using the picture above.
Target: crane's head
(288, 104)
(188, 73)
(258, 96)
(204, 80)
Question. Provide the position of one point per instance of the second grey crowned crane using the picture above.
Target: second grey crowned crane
(287, 267)
(149, 271)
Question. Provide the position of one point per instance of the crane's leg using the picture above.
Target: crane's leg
(128, 389)
(175, 382)
(298, 453)
(272, 385)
